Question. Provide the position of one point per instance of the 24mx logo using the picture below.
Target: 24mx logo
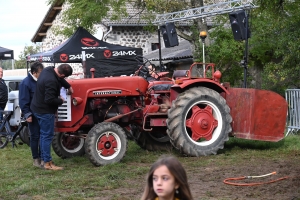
(63, 57)
(123, 53)
(89, 42)
(44, 59)
(79, 56)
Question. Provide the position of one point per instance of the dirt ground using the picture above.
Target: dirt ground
(207, 183)
(212, 187)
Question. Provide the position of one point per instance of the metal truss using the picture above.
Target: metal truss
(206, 11)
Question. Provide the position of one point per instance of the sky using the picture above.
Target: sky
(19, 20)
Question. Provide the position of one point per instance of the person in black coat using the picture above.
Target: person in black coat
(26, 90)
(44, 105)
(3, 94)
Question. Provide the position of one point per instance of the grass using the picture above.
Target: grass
(82, 180)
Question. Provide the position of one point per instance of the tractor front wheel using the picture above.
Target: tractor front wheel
(106, 143)
(199, 122)
(66, 145)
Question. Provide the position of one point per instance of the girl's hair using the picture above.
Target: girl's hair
(177, 170)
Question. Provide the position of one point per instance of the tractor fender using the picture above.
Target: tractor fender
(190, 83)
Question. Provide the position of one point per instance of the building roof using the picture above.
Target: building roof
(47, 21)
(182, 51)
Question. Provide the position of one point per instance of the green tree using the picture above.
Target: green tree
(6, 64)
(226, 53)
(273, 47)
(28, 50)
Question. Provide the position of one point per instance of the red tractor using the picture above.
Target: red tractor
(193, 114)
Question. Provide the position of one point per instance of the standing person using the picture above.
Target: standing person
(3, 94)
(167, 180)
(26, 91)
(44, 105)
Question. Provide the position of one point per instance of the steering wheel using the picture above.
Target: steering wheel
(143, 67)
(143, 70)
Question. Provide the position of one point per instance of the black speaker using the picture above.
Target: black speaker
(239, 25)
(169, 34)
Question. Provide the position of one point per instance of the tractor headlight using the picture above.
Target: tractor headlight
(76, 101)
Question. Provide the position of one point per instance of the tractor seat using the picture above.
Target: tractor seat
(180, 74)
(161, 87)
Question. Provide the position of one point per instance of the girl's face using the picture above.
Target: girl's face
(164, 183)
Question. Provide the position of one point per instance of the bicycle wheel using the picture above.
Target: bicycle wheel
(3, 138)
(3, 141)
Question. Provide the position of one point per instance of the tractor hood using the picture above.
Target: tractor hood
(110, 86)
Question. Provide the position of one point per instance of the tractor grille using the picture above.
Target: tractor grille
(64, 111)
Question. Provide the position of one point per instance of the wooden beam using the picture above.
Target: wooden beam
(47, 24)
(57, 8)
(42, 34)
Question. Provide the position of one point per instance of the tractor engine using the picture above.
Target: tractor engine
(118, 110)
(96, 100)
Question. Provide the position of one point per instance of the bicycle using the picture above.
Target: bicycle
(7, 133)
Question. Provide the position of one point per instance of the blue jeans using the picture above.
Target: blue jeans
(46, 122)
(1, 113)
(34, 129)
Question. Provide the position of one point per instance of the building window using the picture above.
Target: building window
(154, 46)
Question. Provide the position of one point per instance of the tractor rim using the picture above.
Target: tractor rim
(108, 145)
(203, 123)
(71, 144)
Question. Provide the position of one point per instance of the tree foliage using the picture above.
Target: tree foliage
(28, 50)
(225, 52)
(6, 64)
(275, 46)
(273, 61)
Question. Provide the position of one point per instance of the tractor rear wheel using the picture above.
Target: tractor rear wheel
(151, 141)
(106, 143)
(154, 141)
(199, 122)
(67, 146)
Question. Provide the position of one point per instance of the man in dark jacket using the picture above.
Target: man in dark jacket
(3, 94)
(26, 91)
(44, 105)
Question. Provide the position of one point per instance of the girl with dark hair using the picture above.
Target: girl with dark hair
(167, 180)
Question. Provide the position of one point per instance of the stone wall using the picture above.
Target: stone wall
(132, 37)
